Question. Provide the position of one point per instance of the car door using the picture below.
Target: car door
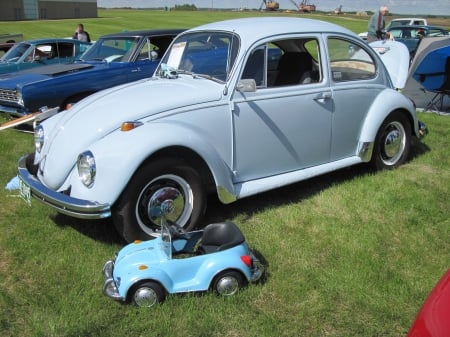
(146, 60)
(353, 74)
(285, 125)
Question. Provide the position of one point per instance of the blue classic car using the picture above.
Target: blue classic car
(35, 53)
(280, 100)
(114, 59)
(217, 258)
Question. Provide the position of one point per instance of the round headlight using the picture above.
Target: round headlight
(39, 138)
(86, 168)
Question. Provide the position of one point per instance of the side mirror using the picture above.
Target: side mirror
(246, 85)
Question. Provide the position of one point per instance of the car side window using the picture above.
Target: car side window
(284, 62)
(148, 52)
(66, 49)
(349, 61)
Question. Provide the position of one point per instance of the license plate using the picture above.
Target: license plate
(25, 192)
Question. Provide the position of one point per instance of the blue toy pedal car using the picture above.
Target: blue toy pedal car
(216, 258)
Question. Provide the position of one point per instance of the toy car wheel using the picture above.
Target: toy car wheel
(228, 283)
(148, 294)
(166, 180)
(392, 142)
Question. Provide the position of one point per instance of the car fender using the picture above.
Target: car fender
(129, 280)
(117, 164)
(385, 103)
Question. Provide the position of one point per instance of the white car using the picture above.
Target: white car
(399, 22)
(234, 109)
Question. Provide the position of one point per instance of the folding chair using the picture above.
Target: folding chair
(437, 102)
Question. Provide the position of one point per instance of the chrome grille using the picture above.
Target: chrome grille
(9, 95)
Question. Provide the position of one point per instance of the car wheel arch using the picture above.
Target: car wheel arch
(218, 275)
(132, 288)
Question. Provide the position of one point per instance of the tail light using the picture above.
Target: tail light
(247, 260)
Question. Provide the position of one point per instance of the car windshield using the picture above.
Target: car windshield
(209, 54)
(115, 49)
(166, 239)
(15, 53)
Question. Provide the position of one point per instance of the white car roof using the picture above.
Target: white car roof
(253, 29)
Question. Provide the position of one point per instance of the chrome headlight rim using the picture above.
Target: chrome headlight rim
(86, 168)
(39, 137)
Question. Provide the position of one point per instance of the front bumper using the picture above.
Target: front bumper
(13, 111)
(78, 208)
(109, 286)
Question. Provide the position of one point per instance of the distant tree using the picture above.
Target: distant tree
(185, 7)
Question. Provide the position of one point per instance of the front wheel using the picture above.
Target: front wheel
(148, 294)
(392, 142)
(167, 180)
(228, 283)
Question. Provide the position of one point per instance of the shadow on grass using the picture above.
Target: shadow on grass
(100, 230)
(296, 192)
(103, 230)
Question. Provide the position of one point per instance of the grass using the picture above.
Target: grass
(352, 253)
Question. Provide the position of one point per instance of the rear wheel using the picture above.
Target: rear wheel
(228, 283)
(167, 180)
(392, 143)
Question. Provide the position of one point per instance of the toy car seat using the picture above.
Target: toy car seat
(220, 236)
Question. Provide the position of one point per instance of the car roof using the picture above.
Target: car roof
(144, 33)
(261, 27)
(407, 19)
(417, 27)
(47, 40)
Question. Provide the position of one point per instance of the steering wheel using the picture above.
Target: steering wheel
(177, 232)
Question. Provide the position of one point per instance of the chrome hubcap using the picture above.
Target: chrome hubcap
(145, 297)
(227, 285)
(394, 143)
(169, 193)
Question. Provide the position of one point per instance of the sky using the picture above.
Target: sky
(410, 7)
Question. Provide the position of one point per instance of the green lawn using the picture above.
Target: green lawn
(352, 253)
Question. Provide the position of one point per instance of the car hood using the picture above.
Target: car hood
(36, 74)
(138, 253)
(395, 56)
(71, 132)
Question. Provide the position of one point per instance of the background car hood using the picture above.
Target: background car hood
(19, 79)
(71, 132)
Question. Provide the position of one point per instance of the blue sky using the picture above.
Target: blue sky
(410, 7)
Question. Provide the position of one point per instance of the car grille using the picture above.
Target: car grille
(9, 95)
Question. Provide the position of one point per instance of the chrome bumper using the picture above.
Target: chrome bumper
(109, 286)
(78, 208)
(257, 269)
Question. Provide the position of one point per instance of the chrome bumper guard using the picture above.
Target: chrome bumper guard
(257, 269)
(109, 286)
(423, 130)
(78, 208)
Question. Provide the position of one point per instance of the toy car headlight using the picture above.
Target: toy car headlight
(86, 168)
(39, 138)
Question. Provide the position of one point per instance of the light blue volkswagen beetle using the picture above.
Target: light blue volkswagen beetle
(234, 109)
(217, 258)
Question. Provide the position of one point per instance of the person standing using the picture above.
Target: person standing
(375, 28)
(80, 34)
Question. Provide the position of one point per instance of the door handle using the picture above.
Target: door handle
(323, 96)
